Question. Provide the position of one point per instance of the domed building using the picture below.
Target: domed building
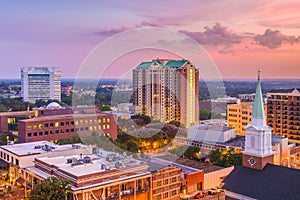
(53, 105)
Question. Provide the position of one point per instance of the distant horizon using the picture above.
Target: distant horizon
(226, 79)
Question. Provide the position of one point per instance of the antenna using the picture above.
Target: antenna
(258, 74)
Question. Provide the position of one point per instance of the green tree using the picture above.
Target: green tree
(50, 189)
(2, 108)
(204, 114)
(105, 108)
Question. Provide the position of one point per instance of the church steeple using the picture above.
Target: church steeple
(258, 113)
(258, 137)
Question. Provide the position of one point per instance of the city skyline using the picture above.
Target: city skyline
(239, 37)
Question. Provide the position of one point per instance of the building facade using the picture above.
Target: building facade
(41, 83)
(284, 112)
(167, 90)
(55, 122)
(239, 115)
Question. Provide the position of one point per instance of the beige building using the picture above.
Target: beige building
(284, 113)
(167, 90)
(239, 115)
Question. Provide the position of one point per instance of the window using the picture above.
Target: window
(67, 123)
(56, 124)
(35, 134)
(158, 197)
(46, 125)
(62, 124)
(252, 141)
(108, 120)
(158, 183)
(123, 187)
(57, 131)
(51, 124)
(46, 132)
(174, 192)
(166, 181)
(107, 126)
(8, 158)
(174, 179)
(166, 195)
(40, 133)
(17, 162)
(28, 134)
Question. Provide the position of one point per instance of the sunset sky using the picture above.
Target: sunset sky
(239, 37)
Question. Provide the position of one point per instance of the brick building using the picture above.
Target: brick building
(55, 122)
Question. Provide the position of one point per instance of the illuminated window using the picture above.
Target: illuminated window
(104, 120)
(103, 127)
(108, 120)
(174, 179)
(174, 192)
(99, 120)
(90, 121)
(107, 126)
(40, 125)
(76, 122)
(29, 127)
(158, 183)
(35, 126)
(56, 124)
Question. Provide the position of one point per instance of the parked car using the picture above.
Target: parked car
(200, 195)
(215, 191)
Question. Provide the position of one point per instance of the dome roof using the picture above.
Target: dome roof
(53, 105)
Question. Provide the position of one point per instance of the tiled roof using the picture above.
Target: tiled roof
(169, 64)
(176, 63)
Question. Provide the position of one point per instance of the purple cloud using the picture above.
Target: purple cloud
(217, 35)
(274, 39)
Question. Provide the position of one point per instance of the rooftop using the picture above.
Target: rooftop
(273, 182)
(190, 166)
(66, 116)
(32, 148)
(158, 163)
(99, 162)
(284, 90)
(162, 63)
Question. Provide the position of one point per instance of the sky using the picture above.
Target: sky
(239, 37)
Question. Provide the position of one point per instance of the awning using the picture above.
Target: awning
(20, 180)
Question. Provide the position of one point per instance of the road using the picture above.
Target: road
(220, 196)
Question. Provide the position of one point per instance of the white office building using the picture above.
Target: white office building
(41, 83)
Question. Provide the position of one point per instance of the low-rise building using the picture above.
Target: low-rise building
(55, 122)
(19, 156)
(211, 133)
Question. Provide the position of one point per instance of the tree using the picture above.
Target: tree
(50, 189)
(105, 108)
(205, 115)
